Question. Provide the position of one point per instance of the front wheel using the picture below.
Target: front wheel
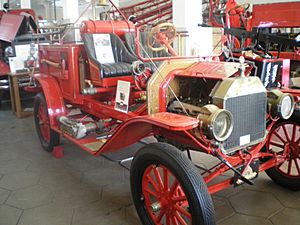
(284, 140)
(48, 137)
(167, 189)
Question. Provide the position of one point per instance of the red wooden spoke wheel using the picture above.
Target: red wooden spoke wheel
(164, 198)
(284, 140)
(167, 189)
(44, 123)
(47, 136)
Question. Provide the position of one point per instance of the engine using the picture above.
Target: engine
(233, 113)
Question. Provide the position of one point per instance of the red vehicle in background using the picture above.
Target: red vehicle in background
(10, 35)
(273, 29)
(100, 96)
(17, 39)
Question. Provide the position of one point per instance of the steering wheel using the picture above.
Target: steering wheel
(161, 36)
(239, 9)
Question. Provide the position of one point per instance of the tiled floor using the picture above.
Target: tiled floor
(79, 189)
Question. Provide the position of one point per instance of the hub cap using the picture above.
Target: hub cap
(164, 197)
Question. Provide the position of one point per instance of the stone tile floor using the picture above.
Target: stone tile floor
(79, 189)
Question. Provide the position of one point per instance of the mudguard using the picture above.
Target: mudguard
(137, 128)
(53, 96)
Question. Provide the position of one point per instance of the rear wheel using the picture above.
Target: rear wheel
(167, 189)
(284, 140)
(48, 138)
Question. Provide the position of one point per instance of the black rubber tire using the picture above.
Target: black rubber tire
(275, 175)
(200, 202)
(54, 136)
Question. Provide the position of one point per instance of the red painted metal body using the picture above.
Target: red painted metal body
(62, 81)
(278, 15)
(9, 26)
(4, 68)
(235, 19)
(24, 12)
(117, 27)
(282, 15)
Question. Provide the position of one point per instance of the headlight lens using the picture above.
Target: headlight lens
(282, 104)
(286, 106)
(215, 123)
(221, 125)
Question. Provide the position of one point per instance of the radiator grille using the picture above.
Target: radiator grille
(249, 113)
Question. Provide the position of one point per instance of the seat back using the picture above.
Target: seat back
(108, 58)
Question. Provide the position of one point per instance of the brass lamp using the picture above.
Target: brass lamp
(281, 104)
(101, 3)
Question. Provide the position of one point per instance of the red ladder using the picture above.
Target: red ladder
(148, 12)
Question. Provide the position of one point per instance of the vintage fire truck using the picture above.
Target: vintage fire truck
(100, 95)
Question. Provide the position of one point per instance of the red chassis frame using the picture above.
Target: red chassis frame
(60, 77)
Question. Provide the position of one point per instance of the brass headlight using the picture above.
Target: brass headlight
(138, 68)
(9, 52)
(215, 123)
(282, 104)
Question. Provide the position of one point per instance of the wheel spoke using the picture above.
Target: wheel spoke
(297, 166)
(44, 123)
(289, 172)
(179, 198)
(286, 133)
(158, 178)
(174, 221)
(277, 144)
(183, 211)
(160, 216)
(168, 220)
(174, 186)
(280, 138)
(151, 192)
(180, 219)
(166, 179)
(298, 141)
(152, 182)
(294, 132)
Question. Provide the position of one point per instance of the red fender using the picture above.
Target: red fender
(139, 127)
(53, 96)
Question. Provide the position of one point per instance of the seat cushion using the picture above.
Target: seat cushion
(115, 69)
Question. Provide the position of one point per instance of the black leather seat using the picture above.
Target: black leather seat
(145, 51)
(122, 57)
